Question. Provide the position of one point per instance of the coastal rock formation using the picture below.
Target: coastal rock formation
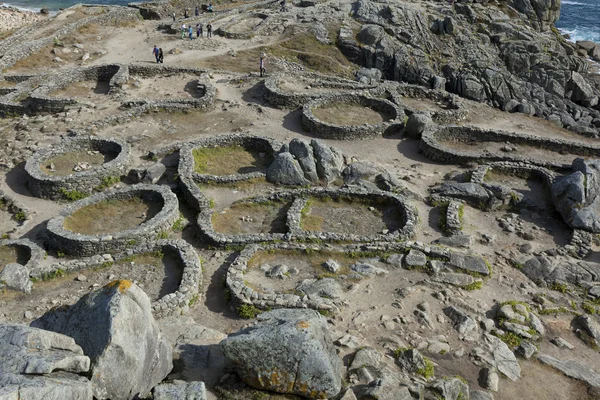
(115, 328)
(289, 351)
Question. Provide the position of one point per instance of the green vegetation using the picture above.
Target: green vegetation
(428, 371)
(73, 195)
(107, 182)
(20, 216)
(560, 287)
(227, 160)
(60, 254)
(228, 295)
(512, 340)
(162, 235)
(59, 273)
(193, 300)
(248, 311)
(473, 286)
(589, 308)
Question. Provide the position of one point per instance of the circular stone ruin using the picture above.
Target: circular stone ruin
(294, 90)
(65, 87)
(19, 260)
(20, 251)
(460, 145)
(152, 86)
(444, 107)
(338, 215)
(115, 220)
(76, 166)
(349, 116)
(222, 159)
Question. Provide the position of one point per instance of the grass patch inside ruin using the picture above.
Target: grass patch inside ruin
(349, 216)
(268, 217)
(65, 162)
(349, 114)
(111, 216)
(228, 160)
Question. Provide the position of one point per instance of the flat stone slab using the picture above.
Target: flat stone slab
(469, 263)
(573, 369)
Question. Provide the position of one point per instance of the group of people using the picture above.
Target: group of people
(189, 31)
(158, 54)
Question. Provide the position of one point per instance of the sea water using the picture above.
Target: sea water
(55, 5)
(580, 19)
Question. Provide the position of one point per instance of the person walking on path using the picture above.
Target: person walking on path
(161, 55)
(198, 30)
(261, 64)
(155, 52)
(173, 17)
(209, 31)
(197, 11)
(183, 30)
(186, 14)
(191, 32)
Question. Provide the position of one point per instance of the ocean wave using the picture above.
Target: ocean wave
(574, 3)
(584, 33)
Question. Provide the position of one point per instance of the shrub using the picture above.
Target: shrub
(248, 311)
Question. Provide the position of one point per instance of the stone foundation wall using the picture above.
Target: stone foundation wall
(326, 130)
(76, 244)
(433, 148)
(55, 186)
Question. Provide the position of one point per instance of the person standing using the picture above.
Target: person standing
(173, 17)
(197, 11)
(161, 55)
(155, 52)
(186, 14)
(191, 32)
(261, 64)
(198, 30)
(183, 30)
(209, 31)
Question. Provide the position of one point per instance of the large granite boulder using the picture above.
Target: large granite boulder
(288, 351)
(38, 364)
(16, 277)
(575, 196)
(285, 170)
(180, 390)
(416, 124)
(303, 153)
(330, 161)
(114, 326)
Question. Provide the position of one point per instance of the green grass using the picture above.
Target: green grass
(512, 340)
(473, 286)
(20, 216)
(59, 273)
(428, 371)
(107, 182)
(560, 287)
(73, 195)
(248, 311)
(162, 235)
(227, 160)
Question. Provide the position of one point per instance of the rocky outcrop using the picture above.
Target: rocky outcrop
(300, 163)
(115, 328)
(288, 351)
(575, 196)
(38, 364)
(480, 53)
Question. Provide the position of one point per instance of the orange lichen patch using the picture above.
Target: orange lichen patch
(280, 381)
(122, 285)
(303, 324)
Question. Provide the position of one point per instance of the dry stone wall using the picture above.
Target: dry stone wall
(76, 244)
(56, 186)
